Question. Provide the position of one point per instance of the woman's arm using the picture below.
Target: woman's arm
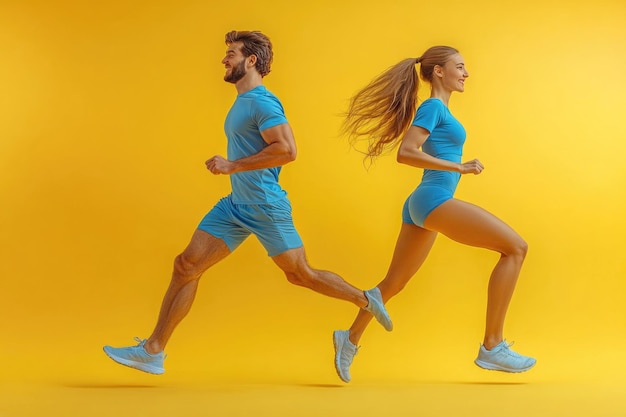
(409, 153)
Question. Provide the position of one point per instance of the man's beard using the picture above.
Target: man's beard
(236, 73)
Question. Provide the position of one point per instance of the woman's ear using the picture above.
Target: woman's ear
(438, 70)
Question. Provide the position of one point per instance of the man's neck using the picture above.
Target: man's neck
(247, 83)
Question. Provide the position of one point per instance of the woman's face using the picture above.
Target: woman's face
(453, 74)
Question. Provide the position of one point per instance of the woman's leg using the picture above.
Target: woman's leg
(474, 226)
(412, 248)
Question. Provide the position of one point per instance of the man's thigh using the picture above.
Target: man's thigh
(204, 250)
(222, 222)
(273, 225)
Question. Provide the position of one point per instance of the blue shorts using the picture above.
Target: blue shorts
(271, 223)
(422, 202)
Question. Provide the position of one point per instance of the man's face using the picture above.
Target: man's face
(235, 63)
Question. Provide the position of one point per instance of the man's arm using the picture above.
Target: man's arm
(281, 150)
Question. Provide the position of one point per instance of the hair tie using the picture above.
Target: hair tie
(417, 60)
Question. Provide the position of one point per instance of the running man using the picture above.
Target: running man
(260, 141)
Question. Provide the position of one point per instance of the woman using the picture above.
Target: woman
(384, 113)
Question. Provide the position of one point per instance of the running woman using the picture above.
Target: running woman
(431, 138)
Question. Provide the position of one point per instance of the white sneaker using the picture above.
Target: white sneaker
(501, 358)
(345, 351)
(377, 308)
(136, 357)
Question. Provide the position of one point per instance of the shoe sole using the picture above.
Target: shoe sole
(140, 366)
(338, 344)
(493, 367)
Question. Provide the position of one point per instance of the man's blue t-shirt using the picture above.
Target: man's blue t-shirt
(251, 113)
(445, 141)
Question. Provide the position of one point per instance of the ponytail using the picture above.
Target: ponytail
(383, 111)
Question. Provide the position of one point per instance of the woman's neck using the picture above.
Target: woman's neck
(441, 94)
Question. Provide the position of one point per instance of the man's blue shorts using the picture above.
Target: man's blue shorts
(271, 223)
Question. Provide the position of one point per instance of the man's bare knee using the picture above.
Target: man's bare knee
(184, 269)
(295, 267)
(299, 278)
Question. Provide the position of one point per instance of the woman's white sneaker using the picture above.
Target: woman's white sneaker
(502, 358)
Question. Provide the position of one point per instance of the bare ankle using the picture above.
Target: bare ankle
(152, 347)
(490, 343)
(354, 338)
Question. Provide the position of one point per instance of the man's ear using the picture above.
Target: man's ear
(251, 60)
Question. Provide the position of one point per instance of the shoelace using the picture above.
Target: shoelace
(511, 352)
(142, 342)
(356, 350)
(349, 356)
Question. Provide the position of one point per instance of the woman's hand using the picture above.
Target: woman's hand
(471, 167)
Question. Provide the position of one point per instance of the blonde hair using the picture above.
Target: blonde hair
(383, 110)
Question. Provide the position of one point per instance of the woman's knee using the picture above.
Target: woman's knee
(390, 288)
(518, 249)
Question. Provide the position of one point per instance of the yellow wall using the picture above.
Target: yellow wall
(108, 111)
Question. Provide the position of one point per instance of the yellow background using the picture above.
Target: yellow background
(108, 111)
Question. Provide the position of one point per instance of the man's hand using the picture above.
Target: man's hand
(218, 165)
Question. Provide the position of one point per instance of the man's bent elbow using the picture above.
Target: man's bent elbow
(290, 155)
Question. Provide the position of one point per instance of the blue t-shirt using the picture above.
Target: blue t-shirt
(445, 141)
(251, 113)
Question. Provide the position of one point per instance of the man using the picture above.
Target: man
(260, 141)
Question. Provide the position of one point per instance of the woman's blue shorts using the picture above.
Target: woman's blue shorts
(422, 202)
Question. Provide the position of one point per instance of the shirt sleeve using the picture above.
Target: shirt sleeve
(429, 114)
(268, 112)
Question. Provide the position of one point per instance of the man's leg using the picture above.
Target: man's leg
(204, 251)
(294, 264)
